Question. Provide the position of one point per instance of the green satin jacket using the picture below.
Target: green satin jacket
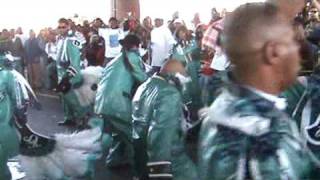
(157, 132)
(69, 56)
(116, 89)
(244, 136)
(9, 141)
(190, 56)
(303, 106)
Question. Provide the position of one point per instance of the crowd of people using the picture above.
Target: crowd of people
(244, 87)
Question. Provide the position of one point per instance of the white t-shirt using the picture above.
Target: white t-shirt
(220, 61)
(111, 38)
(162, 42)
(52, 50)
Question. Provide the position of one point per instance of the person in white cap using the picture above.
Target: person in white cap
(162, 42)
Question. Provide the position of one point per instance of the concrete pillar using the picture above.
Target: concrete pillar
(121, 8)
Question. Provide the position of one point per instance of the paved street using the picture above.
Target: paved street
(45, 122)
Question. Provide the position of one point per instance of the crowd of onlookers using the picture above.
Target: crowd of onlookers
(35, 54)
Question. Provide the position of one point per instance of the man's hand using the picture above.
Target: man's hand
(71, 72)
(175, 15)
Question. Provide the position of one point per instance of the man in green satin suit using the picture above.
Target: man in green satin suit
(119, 81)
(10, 103)
(157, 119)
(68, 69)
(245, 133)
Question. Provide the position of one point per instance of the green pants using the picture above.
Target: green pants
(73, 111)
(4, 170)
(121, 150)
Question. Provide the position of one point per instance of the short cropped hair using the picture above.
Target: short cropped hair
(64, 21)
(247, 24)
(113, 19)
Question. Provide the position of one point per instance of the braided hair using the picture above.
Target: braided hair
(129, 42)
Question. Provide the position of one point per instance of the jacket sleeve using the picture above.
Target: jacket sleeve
(17, 98)
(286, 161)
(140, 131)
(14, 91)
(163, 134)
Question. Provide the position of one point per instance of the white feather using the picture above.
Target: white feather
(89, 139)
(24, 83)
(91, 75)
(74, 156)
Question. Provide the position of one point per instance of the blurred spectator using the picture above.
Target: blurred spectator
(162, 42)
(215, 16)
(209, 40)
(183, 46)
(85, 30)
(313, 20)
(112, 35)
(308, 51)
(42, 40)
(171, 22)
(144, 33)
(97, 24)
(5, 37)
(18, 53)
(220, 61)
(196, 21)
(72, 24)
(19, 33)
(12, 32)
(51, 46)
(131, 25)
(33, 53)
(94, 50)
(51, 51)
(223, 13)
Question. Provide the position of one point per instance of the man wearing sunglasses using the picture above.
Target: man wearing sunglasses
(68, 67)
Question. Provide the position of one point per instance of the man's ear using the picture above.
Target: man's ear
(273, 52)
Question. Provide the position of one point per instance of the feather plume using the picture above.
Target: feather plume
(73, 156)
(24, 83)
(91, 77)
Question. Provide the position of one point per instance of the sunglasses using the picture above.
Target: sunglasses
(62, 27)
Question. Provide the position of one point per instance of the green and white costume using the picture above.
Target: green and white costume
(158, 136)
(68, 68)
(246, 135)
(11, 102)
(113, 103)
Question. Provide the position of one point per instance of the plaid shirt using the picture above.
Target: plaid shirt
(211, 34)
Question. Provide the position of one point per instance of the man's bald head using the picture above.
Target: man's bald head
(249, 27)
(173, 66)
(261, 44)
